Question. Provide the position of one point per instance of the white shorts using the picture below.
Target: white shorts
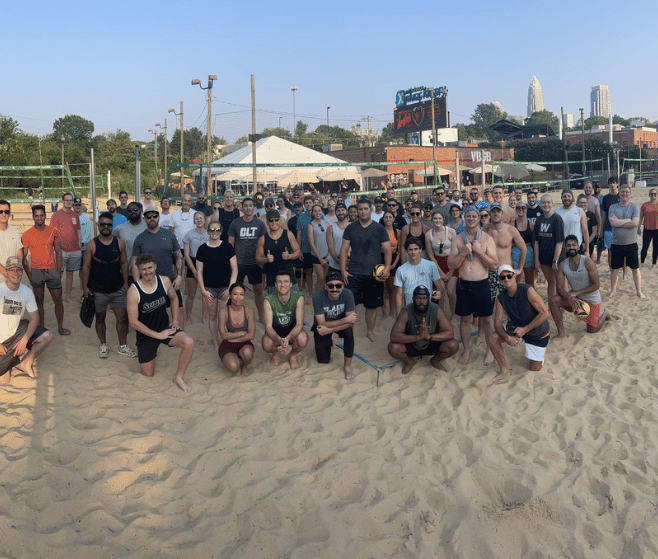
(535, 353)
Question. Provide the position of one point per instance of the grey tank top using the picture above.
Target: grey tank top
(580, 280)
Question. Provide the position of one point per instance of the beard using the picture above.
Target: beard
(134, 218)
(418, 310)
(572, 252)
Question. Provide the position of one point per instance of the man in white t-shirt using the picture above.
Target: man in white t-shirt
(416, 271)
(10, 238)
(575, 220)
(182, 221)
(20, 338)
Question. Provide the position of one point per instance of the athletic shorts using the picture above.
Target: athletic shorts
(49, 278)
(621, 255)
(71, 261)
(473, 298)
(116, 300)
(217, 292)
(253, 273)
(231, 347)
(494, 284)
(8, 360)
(529, 257)
(594, 312)
(315, 259)
(434, 348)
(283, 331)
(607, 239)
(367, 291)
(147, 349)
(190, 271)
(535, 353)
(307, 260)
(180, 298)
(323, 344)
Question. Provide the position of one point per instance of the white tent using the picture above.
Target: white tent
(285, 158)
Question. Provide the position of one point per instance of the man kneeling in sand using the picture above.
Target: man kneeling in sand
(283, 316)
(583, 279)
(19, 336)
(527, 321)
(335, 313)
(147, 314)
(422, 328)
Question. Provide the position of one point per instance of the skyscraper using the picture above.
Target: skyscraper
(600, 101)
(535, 100)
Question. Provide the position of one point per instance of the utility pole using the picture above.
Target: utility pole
(582, 129)
(431, 90)
(211, 78)
(155, 146)
(253, 131)
(566, 155)
(294, 114)
(180, 169)
(328, 116)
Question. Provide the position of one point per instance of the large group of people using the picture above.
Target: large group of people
(454, 257)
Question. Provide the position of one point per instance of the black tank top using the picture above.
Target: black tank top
(276, 248)
(525, 235)
(225, 219)
(420, 237)
(152, 309)
(105, 274)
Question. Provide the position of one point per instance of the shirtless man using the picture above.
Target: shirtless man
(508, 213)
(474, 258)
(504, 236)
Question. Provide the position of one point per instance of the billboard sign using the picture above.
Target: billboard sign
(418, 117)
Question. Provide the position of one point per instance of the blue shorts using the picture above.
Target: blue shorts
(529, 257)
(607, 239)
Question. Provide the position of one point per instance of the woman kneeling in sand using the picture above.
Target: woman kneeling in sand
(237, 327)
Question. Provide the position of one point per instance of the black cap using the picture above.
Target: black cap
(340, 205)
(77, 201)
(333, 275)
(272, 214)
(496, 206)
(421, 290)
(379, 199)
(298, 205)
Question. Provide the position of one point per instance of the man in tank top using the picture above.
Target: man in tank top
(527, 321)
(105, 274)
(583, 280)
(277, 250)
(147, 314)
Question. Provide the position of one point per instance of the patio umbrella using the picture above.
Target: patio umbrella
(535, 168)
(510, 170)
(487, 169)
(372, 173)
(339, 174)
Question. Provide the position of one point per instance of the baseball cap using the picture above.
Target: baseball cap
(505, 268)
(496, 206)
(13, 262)
(300, 205)
(333, 276)
(77, 201)
(379, 199)
(272, 214)
(151, 211)
(269, 201)
(421, 290)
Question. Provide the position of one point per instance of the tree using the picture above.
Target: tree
(195, 145)
(278, 132)
(8, 128)
(484, 116)
(616, 119)
(242, 140)
(595, 121)
(300, 129)
(544, 117)
(74, 129)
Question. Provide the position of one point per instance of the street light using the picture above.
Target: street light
(280, 122)
(294, 115)
(582, 128)
(328, 116)
(62, 139)
(211, 78)
(155, 144)
(182, 148)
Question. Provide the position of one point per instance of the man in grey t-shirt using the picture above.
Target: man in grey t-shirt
(243, 234)
(128, 231)
(624, 218)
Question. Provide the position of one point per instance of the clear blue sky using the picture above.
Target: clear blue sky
(123, 64)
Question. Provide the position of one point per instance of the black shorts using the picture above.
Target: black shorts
(283, 331)
(253, 273)
(307, 260)
(147, 347)
(434, 348)
(624, 254)
(367, 291)
(473, 297)
(315, 259)
(180, 298)
(9, 360)
(323, 344)
(190, 271)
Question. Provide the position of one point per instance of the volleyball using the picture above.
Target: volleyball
(582, 310)
(378, 272)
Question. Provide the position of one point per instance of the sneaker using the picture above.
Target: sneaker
(127, 351)
(104, 351)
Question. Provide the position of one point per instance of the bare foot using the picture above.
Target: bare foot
(465, 358)
(612, 294)
(479, 339)
(408, 366)
(293, 362)
(181, 384)
(606, 315)
(5, 380)
(188, 321)
(489, 359)
(371, 336)
(641, 295)
(64, 331)
(68, 300)
(243, 370)
(27, 369)
(436, 363)
(501, 378)
(275, 360)
(349, 375)
(561, 336)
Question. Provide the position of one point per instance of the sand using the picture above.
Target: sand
(98, 461)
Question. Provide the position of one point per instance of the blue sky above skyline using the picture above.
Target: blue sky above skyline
(122, 65)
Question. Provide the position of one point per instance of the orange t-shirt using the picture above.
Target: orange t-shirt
(650, 212)
(41, 246)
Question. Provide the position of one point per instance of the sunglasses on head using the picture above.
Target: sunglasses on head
(506, 276)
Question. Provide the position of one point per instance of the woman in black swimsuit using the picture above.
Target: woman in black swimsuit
(237, 327)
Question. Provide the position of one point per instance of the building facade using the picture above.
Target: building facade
(600, 101)
(535, 99)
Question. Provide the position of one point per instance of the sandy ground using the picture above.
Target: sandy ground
(98, 461)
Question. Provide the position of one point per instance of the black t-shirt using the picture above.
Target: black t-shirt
(533, 213)
(365, 246)
(591, 222)
(548, 232)
(608, 200)
(216, 264)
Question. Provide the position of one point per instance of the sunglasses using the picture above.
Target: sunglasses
(273, 219)
(148, 192)
(214, 230)
(103, 225)
(504, 277)
(392, 204)
(522, 208)
(152, 216)
(334, 286)
(412, 214)
(216, 207)
(6, 212)
(133, 210)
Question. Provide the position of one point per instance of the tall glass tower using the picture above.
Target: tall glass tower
(535, 100)
(600, 101)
